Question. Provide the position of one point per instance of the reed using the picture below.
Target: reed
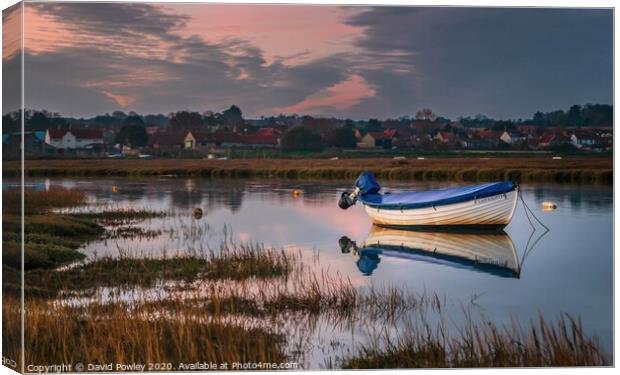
(40, 201)
(570, 169)
(89, 334)
(481, 344)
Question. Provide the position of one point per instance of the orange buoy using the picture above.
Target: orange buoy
(296, 193)
(114, 189)
(549, 206)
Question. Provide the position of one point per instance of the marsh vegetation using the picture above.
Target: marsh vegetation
(237, 302)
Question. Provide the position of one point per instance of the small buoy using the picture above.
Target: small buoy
(421, 158)
(197, 213)
(296, 193)
(557, 158)
(114, 189)
(334, 158)
(549, 206)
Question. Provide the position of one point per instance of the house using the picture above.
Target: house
(71, 139)
(374, 139)
(34, 145)
(168, 140)
(512, 137)
(585, 140)
(444, 137)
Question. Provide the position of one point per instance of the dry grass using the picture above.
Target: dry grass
(577, 169)
(481, 344)
(89, 334)
(41, 201)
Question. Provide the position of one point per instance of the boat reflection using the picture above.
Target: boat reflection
(492, 253)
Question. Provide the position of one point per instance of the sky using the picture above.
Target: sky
(83, 59)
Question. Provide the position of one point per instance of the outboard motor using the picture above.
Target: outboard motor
(347, 200)
(365, 184)
(346, 244)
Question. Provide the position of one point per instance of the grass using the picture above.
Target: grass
(234, 263)
(40, 201)
(570, 169)
(482, 344)
(119, 217)
(237, 303)
(90, 335)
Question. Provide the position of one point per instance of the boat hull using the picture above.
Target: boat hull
(494, 212)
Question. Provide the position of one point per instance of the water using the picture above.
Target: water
(570, 270)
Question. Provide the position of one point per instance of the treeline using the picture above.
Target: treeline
(576, 115)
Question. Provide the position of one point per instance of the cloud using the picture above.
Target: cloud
(503, 62)
(90, 75)
(84, 59)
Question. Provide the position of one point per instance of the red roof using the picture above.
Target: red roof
(489, 134)
(448, 136)
(270, 132)
(390, 133)
(167, 138)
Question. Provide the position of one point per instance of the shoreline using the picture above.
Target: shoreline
(578, 169)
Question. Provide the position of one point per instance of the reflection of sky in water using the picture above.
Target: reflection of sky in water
(569, 271)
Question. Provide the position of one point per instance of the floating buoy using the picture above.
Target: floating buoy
(296, 193)
(114, 189)
(557, 158)
(549, 206)
(421, 158)
(197, 213)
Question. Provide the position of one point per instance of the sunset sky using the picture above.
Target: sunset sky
(359, 62)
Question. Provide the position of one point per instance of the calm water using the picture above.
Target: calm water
(570, 270)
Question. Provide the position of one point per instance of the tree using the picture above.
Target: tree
(233, 116)
(132, 136)
(343, 137)
(374, 125)
(299, 138)
(185, 120)
(539, 118)
(426, 114)
(574, 115)
(133, 120)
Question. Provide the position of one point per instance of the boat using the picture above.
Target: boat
(486, 206)
(491, 253)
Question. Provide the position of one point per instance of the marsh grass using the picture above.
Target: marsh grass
(41, 201)
(481, 344)
(119, 217)
(92, 335)
(234, 263)
(571, 169)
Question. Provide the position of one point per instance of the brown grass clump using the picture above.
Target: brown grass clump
(482, 344)
(41, 201)
(91, 334)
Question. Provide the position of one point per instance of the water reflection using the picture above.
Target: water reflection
(492, 253)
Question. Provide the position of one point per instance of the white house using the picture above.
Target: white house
(74, 138)
(512, 137)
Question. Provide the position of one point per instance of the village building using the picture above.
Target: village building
(72, 139)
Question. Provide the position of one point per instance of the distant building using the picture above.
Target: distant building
(34, 145)
(70, 139)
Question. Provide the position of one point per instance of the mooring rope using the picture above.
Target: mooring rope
(528, 247)
(527, 209)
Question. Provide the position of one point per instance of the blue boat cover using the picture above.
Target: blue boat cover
(367, 183)
(370, 194)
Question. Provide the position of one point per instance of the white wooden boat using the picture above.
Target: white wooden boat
(490, 205)
(492, 253)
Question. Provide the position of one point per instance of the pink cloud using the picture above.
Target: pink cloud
(341, 96)
(292, 33)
